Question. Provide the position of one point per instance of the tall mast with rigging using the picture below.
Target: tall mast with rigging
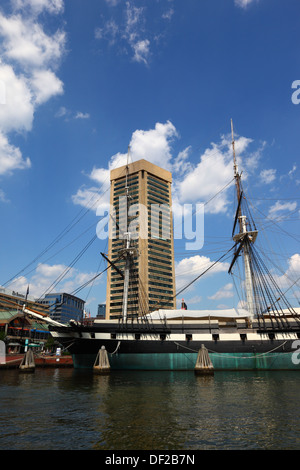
(128, 251)
(244, 237)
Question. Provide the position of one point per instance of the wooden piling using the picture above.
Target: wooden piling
(101, 364)
(27, 364)
(204, 366)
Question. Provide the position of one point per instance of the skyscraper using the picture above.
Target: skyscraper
(152, 280)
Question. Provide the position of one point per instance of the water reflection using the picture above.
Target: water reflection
(71, 409)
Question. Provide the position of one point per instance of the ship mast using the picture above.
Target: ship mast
(244, 237)
(127, 251)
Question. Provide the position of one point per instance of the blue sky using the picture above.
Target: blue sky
(82, 79)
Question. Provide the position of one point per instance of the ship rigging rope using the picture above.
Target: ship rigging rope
(116, 348)
(99, 274)
(65, 272)
(200, 275)
(67, 229)
(236, 357)
(93, 278)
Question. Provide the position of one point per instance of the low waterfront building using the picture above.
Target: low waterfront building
(13, 300)
(16, 329)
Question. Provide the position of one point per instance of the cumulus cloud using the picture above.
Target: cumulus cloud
(30, 57)
(188, 268)
(25, 41)
(223, 293)
(18, 111)
(212, 173)
(11, 157)
(153, 145)
(45, 84)
(46, 275)
(292, 273)
(192, 183)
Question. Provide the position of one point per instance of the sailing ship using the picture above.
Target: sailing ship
(263, 336)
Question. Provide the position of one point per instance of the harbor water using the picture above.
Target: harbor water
(56, 409)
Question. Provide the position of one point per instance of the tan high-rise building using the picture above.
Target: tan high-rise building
(152, 282)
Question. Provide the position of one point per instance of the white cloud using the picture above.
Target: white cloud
(27, 43)
(112, 3)
(92, 199)
(244, 3)
(80, 115)
(153, 145)
(27, 77)
(267, 176)
(192, 183)
(37, 6)
(3, 196)
(292, 273)
(11, 157)
(207, 177)
(214, 171)
(141, 51)
(49, 271)
(224, 293)
(18, 111)
(292, 171)
(45, 84)
(291, 174)
(46, 275)
(134, 27)
(181, 163)
(68, 115)
(100, 175)
(280, 207)
(129, 31)
(187, 269)
(168, 14)
(109, 32)
(61, 112)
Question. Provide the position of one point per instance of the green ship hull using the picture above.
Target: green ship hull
(187, 361)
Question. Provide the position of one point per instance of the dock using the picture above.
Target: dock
(13, 361)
